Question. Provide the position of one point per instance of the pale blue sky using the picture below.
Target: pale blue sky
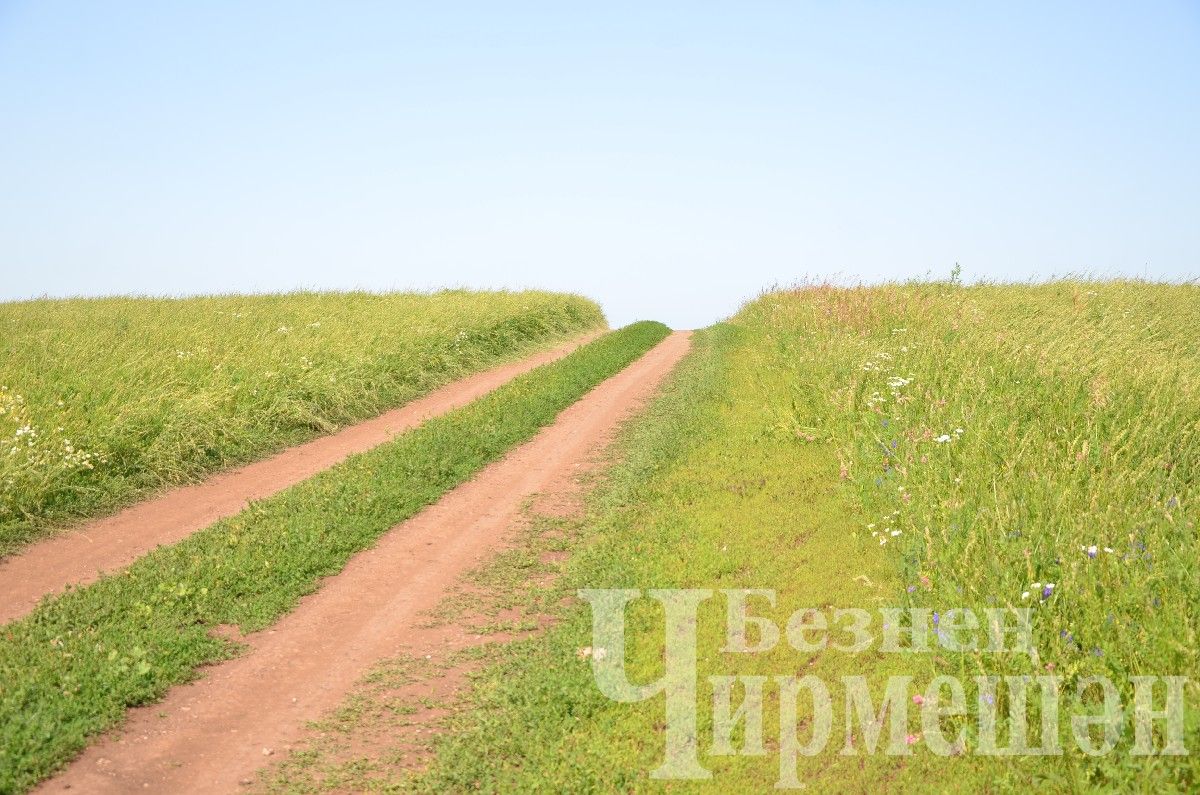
(668, 159)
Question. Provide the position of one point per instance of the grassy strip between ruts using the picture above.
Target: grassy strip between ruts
(69, 670)
(104, 400)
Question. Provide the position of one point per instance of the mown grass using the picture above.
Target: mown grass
(783, 457)
(104, 400)
(69, 669)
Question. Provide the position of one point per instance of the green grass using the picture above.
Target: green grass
(69, 669)
(104, 400)
(1079, 410)
(777, 456)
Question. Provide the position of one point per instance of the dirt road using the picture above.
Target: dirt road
(211, 735)
(81, 555)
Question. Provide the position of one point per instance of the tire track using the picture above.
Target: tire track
(81, 555)
(210, 735)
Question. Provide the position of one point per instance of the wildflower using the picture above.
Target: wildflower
(912, 739)
(1092, 551)
(958, 431)
(895, 533)
(943, 438)
(1024, 595)
(918, 699)
(1108, 550)
(1048, 590)
(911, 588)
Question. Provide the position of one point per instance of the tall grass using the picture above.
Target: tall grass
(103, 400)
(1033, 446)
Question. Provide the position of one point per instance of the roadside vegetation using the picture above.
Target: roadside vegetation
(104, 400)
(929, 446)
(71, 668)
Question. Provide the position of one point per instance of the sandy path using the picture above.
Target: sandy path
(214, 731)
(79, 556)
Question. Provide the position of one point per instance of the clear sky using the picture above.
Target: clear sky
(668, 159)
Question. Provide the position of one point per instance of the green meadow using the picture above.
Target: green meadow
(105, 400)
(928, 446)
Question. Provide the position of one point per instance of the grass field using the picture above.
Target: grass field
(926, 445)
(104, 400)
(71, 667)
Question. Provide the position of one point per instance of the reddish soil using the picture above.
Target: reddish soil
(80, 556)
(213, 735)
